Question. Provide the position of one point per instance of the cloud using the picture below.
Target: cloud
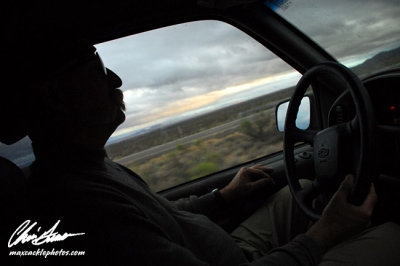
(166, 69)
(347, 28)
(172, 70)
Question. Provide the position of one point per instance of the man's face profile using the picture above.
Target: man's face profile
(91, 93)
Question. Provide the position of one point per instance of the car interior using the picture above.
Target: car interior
(353, 120)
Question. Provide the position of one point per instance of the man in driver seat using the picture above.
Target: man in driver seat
(73, 110)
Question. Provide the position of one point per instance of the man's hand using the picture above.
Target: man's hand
(247, 181)
(340, 219)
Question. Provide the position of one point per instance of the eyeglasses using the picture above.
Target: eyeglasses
(93, 57)
(81, 61)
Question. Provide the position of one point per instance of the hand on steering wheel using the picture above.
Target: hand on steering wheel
(340, 149)
(340, 219)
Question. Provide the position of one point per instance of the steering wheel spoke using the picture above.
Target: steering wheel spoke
(306, 136)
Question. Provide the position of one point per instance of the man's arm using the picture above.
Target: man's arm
(247, 181)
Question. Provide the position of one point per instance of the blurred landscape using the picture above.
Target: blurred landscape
(196, 147)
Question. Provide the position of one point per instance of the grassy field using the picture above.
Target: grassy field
(222, 139)
(195, 125)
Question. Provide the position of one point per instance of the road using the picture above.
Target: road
(170, 146)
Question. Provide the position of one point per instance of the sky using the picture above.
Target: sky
(179, 71)
(348, 29)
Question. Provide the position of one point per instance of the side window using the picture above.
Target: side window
(200, 98)
(20, 153)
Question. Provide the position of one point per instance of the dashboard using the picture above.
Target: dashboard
(384, 91)
(385, 96)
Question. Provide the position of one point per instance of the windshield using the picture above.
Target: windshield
(351, 31)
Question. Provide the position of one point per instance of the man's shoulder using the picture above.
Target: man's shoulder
(92, 189)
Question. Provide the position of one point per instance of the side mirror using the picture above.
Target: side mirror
(303, 116)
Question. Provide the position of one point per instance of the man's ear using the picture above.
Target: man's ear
(52, 97)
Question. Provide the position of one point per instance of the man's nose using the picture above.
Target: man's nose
(113, 79)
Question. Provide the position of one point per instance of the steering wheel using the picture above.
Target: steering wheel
(344, 148)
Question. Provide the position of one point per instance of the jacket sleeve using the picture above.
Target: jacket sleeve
(209, 205)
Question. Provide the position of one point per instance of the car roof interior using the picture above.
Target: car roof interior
(105, 21)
